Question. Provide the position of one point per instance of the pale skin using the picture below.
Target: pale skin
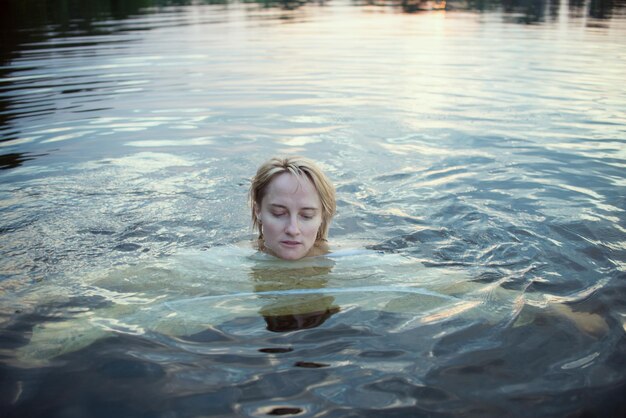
(290, 214)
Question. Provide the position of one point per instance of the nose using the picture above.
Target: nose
(293, 228)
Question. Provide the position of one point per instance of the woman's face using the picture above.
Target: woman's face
(290, 215)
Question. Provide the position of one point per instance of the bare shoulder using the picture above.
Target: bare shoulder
(319, 248)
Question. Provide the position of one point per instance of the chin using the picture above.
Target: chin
(291, 256)
(286, 254)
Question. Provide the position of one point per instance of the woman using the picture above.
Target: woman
(292, 203)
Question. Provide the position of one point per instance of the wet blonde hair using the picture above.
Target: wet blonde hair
(298, 166)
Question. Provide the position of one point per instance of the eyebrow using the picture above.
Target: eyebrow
(275, 205)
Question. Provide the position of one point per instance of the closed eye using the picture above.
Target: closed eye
(309, 214)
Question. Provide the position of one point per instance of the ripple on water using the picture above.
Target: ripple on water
(489, 176)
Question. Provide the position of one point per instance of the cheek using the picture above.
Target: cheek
(273, 225)
(313, 227)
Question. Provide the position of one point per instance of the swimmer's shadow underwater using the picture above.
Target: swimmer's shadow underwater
(291, 312)
(284, 307)
(283, 311)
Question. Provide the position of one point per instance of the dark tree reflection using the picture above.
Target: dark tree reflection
(24, 21)
(519, 11)
(14, 160)
(605, 9)
(531, 11)
(576, 8)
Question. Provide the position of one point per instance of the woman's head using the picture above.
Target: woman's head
(292, 203)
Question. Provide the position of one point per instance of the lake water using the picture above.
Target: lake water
(479, 155)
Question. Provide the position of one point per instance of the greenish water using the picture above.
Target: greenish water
(478, 150)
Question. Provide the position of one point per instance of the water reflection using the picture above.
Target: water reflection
(525, 11)
(81, 61)
(24, 22)
(291, 312)
(605, 9)
(16, 159)
(411, 6)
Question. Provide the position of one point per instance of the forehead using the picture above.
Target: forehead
(287, 188)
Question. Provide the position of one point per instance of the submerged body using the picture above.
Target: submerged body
(193, 291)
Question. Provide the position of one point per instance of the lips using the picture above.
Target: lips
(291, 243)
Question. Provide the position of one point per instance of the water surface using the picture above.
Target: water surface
(478, 151)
